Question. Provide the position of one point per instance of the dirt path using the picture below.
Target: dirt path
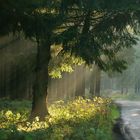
(130, 114)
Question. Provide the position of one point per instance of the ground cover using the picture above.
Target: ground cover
(80, 119)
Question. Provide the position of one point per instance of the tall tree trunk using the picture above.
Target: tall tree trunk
(83, 81)
(39, 104)
(126, 90)
(98, 81)
(92, 82)
(95, 81)
(138, 86)
(122, 91)
(13, 83)
(80, 81)
(65, 92)
(72, 85)
(77, 81)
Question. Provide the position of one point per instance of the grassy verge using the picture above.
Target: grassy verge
(132, 97)
(81, 119)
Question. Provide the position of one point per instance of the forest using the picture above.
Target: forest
(62, 65)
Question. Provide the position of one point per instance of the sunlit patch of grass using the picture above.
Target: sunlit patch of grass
(80, 119)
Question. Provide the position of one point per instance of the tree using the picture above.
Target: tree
(95, 81)
(36, 20)
(84, 28)
(125, 79)
(136, 70)
(80, 81)
(101, 34)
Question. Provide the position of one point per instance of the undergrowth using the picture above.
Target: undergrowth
(81, 119)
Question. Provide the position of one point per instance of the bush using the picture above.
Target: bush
(81, 119)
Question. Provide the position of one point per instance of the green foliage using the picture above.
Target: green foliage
(63, 63)
(85, 28)
(99, 33)
(15, 106)
(81, 119)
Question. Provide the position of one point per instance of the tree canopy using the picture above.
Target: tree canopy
(90, 29)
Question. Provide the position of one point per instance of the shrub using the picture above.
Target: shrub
(81, 119)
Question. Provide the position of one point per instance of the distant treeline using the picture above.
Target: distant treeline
(17, 64)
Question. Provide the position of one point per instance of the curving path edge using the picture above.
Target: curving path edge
(130, 119)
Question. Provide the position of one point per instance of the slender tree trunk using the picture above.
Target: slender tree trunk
(60, 87)
(72, 85)
(80, 81)
(69, 86)
(92, 82)
(77, 83)
(95, 81)
(122, 92)
(83, 81)
(39, 104)
(55, 95)
(65, 95)
(135, 89)
(98, 81)
(126, 91)
(138, 86)
(13, 85)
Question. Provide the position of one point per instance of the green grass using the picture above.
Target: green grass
(81, 119)
(132, 97)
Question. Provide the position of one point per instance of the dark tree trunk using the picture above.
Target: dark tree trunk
(83, 81)
(138, 86)
(13, 85)
(65, 92)
(95, 81)
(77, 81)
(126, 91)
(72, 85)
(55, 93)
(92, 82)
(122, 91)
(70, 88)
(39, 104)
(61, 87)
(98, 81)
(80, 81)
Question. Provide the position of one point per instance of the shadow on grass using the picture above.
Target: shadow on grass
(78, 129)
